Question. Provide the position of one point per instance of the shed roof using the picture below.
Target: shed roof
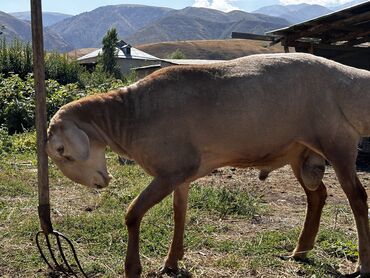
(191, 61)
(135, 54)
(350, 26)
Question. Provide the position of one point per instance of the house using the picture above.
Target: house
(127, 57)
(141, 72)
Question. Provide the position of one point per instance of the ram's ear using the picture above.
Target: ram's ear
(76, 143)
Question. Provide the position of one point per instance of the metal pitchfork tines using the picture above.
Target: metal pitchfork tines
(63, 265)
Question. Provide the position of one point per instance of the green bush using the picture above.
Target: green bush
(17, 104)
(5, 140)
(15, 58)
(17, 108)
(178, 54)
(62, 69)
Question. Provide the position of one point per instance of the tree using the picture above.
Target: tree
(178, 54)
(108, 58)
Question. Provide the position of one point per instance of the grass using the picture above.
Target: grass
(228, 234)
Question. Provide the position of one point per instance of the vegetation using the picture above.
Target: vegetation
(18, 97)
(108, 58)
(177, 54)
(15, 58)
(66, 81)
(228, 232)
(229, 228)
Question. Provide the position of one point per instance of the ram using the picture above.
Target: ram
(180, 123)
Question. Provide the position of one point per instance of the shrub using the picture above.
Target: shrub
(5, 140)
(17, 108)
(62, 69)
(178, 54)
(15, 58)
(18, 103)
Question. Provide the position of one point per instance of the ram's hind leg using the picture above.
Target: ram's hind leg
(344, 166)
(316, 197)
(176, 251)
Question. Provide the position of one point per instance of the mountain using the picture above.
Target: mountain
(20, 29)
(88, 29)
(204, 24)
(138, 24)
(48, 18)
(294, 13)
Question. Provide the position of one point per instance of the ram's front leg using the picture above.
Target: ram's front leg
(157, 190)
(176, 251)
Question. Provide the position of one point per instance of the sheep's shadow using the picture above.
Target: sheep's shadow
(363, 162)
(181, 273)
(327, 268)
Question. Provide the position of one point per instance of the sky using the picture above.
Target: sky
(78, 6)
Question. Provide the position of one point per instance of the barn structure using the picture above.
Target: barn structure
(343, 36)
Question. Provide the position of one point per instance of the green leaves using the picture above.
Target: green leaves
(108, 58)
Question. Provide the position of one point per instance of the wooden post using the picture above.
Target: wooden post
(284, 42)
(41, 116)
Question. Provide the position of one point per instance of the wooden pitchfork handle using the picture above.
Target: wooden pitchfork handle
(42, 158)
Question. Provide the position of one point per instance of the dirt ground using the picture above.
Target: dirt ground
(287, 202)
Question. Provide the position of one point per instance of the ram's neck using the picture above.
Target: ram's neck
(109, 118)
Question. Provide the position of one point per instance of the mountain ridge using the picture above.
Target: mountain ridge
(15, 28)
(142, 24)
(138, 24)
(294, 13)
(48, 18)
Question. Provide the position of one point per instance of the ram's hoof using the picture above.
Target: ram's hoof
(168, 270)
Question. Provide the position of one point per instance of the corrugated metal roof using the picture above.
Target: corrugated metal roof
(191, 61)
(135, 54)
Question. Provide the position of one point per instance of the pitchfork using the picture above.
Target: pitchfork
(47, 230)
(42, 160)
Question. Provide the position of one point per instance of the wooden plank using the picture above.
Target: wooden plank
(249, 36)
(324, 27)
(341, 48)
(357, 41)
(41, 116)
(350, 36)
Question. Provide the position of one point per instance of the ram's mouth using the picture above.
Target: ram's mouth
(98, 186)
(105, 179)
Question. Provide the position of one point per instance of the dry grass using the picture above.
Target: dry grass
(211, 49)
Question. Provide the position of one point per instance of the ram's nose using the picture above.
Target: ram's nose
(101, 180)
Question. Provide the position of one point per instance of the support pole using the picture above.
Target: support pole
(41, 116)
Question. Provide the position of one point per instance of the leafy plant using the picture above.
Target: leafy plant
(178, 54)
(62, 69)
(15, 58)
(108, 58)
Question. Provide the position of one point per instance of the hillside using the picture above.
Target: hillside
(138, 24)
(48, 18)
(210, 49)
(88, 29)
(294, 13)
(204, 24)
(20, 29)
